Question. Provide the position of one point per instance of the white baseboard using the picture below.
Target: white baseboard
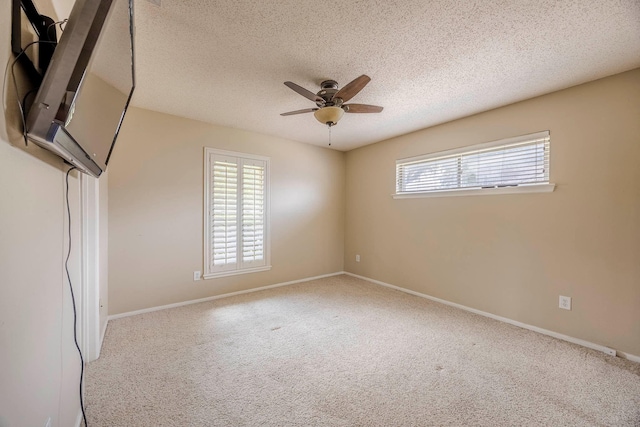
(195, 301)
(79, 418)
(557, 335)
(563, 337)
(629, 356)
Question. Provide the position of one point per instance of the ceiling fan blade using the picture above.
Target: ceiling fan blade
(304, 92)
(361, 108)
(352, 89)
(306, 110)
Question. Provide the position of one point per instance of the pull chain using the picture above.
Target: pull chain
(329, 135)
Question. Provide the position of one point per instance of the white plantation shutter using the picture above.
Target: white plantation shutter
(235, 213)
(223, 213)
(512, 162)
(253, 205)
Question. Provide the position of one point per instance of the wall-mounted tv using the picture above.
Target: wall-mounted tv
(86, 89)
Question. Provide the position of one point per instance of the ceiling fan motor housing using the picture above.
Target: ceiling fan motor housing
(329, 84)
(327, 89)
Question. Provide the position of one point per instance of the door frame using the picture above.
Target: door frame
(90, 267)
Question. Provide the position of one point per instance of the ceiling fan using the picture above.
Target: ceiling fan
(331, 102)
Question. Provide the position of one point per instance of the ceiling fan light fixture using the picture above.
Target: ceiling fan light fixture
(329, 115)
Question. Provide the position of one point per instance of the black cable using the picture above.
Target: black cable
(73, 299)
(15, 85)
(26, 95)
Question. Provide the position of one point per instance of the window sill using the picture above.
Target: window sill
(524, 188)
(235, 272)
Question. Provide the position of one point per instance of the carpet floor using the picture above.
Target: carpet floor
(341, 351)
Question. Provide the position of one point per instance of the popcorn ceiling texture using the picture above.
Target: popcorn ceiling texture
(112, 60)
(341, 351)
(225, 62)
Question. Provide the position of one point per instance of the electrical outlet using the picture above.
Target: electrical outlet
(357, 258)
(565, 302)
(196, 275)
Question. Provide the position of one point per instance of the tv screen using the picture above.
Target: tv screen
(85, 92)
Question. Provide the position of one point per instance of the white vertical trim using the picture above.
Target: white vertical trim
(206, 223)
(90, 267)
(79, 419)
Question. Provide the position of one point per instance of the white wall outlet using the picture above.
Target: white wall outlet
(196, 275)
(565, 302)
(357, 258)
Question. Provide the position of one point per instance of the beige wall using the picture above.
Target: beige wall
(156, 210)
(39, 366)
(513, 255)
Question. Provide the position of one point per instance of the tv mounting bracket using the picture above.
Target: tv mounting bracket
(44, 28)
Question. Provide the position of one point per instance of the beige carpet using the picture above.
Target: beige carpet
(344, 352)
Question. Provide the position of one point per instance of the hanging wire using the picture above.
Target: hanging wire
(59, 24)
(11, 64)
(73, 298)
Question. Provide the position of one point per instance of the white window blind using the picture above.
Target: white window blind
(235, 213)
(512, 162)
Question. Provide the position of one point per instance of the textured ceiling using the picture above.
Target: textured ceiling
(112, 60)
(225, 61)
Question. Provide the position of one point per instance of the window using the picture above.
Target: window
(236, 213)
(513, 165)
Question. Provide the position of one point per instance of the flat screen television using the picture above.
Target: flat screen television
(86, 89)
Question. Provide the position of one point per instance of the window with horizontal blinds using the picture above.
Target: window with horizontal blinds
(236, 190)
(512, 162)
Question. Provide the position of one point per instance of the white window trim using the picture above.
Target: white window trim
(236, 272)
(480, 191)
(477, 191)
(267, 238)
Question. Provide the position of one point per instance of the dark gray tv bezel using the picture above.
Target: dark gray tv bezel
(64, 75)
